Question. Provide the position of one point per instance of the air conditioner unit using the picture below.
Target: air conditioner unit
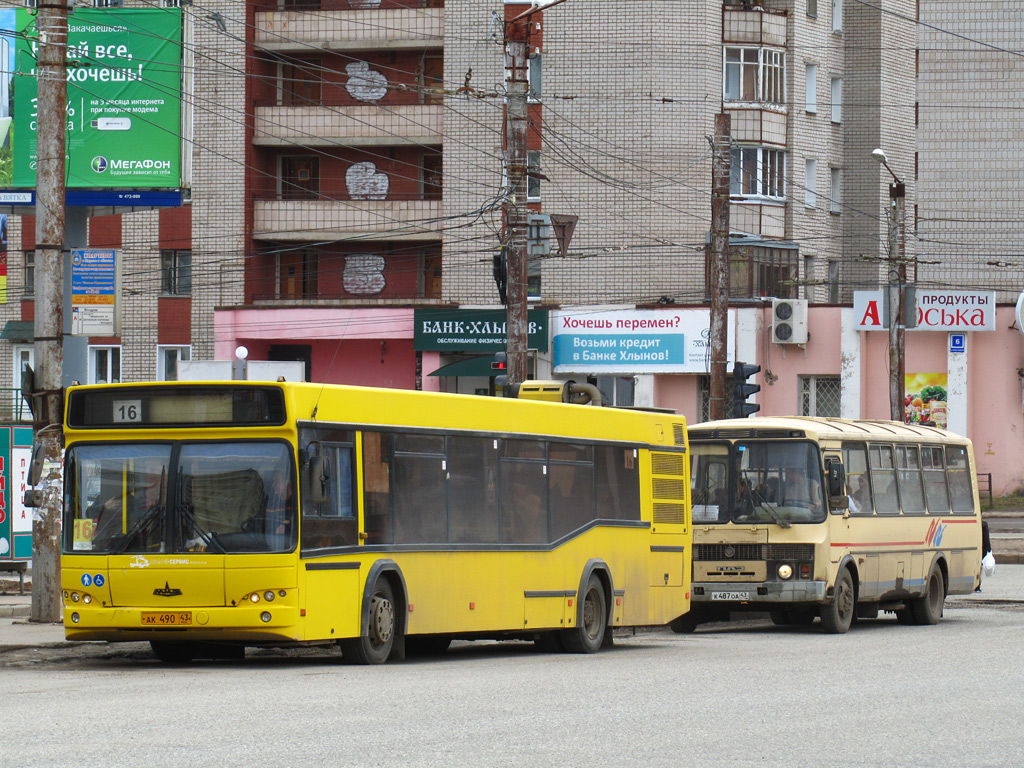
(789, 321)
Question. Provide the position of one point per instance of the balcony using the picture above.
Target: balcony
(759, 27)
(393, 29)
(323, 220)
(350, 126)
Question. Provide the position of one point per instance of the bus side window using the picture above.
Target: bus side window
(524, 504)
(418, 489)
(331, 522)
(858, 482)
(473, 489)
(883, 479)
(961, 494)
(377, 488)
(935, 479)
(617, 482)
(571, 487)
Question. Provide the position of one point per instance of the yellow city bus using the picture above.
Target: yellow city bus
(808, 517)
(206, 517)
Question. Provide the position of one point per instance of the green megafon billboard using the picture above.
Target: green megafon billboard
(123, 105)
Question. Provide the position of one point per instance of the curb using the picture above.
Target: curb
(15, 611)
(1010, 558)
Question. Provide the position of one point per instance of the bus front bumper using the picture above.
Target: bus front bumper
(267, 623)
(749, 593)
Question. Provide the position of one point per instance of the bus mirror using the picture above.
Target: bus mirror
(836, 477)
(318, 480)
(35, 467)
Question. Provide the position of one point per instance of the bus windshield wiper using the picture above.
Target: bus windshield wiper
(767, 507)
(136, 529)
(205, 537)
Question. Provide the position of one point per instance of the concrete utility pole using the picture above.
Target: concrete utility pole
(51, 68)
(720, 263)
(516, 127)
(897, 278)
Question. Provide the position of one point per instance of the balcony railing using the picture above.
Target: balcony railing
(13, 407)
(412, 218)
(352, 126)
(392, 28)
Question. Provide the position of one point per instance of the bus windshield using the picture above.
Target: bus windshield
(191, 497)
(771, 481)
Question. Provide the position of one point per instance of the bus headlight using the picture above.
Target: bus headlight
(74, 597)
(785, 571)
(255, 597)
(74, 618)
(265, 617)
(269, 595)
(87, 599)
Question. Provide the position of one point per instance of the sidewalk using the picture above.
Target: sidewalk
(16, 631)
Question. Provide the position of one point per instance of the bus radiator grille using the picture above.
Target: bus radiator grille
(754, 552)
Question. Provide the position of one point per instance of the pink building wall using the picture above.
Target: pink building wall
(994, 401)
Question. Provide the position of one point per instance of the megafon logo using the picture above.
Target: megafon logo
(99, 164)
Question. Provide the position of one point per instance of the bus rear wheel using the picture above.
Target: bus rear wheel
(837, 616)
(375, 645)
(588, 635)
(928, 609)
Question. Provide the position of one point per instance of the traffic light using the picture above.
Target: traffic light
(741, 390)
(499, 366)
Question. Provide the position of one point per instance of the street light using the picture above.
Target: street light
(896, 289)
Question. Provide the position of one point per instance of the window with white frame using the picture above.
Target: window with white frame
(754, 74)
(168, 358)
(837, 99)
(821, 396)
(833, 281)
(108, 3)
(617, 390)
(809, 276)
(810, 183)
(24, 358)
(533, 176)
(104, 365)
(758, 172)
(837, 15)
(835, 197)
(811, 89)
(812, 8)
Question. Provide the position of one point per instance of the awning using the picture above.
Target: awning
(471, 366)
(19, 331)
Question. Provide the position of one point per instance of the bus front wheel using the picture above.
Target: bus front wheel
(928, 609)
(375, 645)
(837, 616)
(588, 635)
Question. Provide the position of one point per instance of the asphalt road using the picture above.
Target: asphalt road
(743, 694)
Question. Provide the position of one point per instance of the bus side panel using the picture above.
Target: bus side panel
(332, 599)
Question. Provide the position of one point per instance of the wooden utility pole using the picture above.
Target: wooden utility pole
(897, 300)
(516, 162)
(51, 76)
(720, 264)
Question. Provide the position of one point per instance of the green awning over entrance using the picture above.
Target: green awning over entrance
(19, 331)
(471, 366)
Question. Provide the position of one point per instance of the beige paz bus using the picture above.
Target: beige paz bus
(809, 518)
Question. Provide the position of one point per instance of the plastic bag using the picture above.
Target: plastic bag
(988, 565)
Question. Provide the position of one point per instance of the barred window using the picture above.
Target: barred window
(820, 396)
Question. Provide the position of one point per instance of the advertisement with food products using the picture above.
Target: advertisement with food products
(925, 398)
